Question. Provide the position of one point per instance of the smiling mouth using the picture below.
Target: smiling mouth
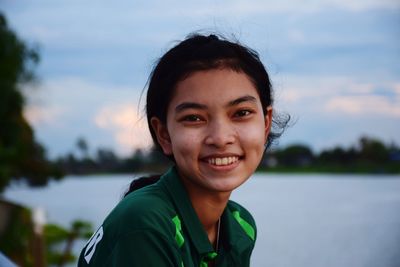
(223, 161)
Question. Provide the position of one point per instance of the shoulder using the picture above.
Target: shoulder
(146, 208)
(244, 213)
(244, 218)
(142, 218)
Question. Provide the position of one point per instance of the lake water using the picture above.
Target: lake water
(303, 220)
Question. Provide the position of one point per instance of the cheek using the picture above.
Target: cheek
(185, 143)
(253, 135)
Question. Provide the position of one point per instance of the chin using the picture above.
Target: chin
(227, 186)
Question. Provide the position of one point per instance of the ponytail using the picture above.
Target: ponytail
(142, 182)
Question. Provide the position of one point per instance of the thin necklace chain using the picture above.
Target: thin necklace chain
(218, 228)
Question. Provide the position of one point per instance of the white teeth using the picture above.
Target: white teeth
(222, 161)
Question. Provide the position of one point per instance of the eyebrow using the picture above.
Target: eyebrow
(246, 98)
(193, 105)
(189, 105)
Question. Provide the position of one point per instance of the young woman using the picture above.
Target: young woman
(209, 109)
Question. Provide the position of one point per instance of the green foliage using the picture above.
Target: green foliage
(106, 161)
(59, 241)
(295, 155)
(21, 157)
(55, 234)
(373, 150)
(83, 147)
(368, 156)
(19, 242)
(17, 234)
(82, 229)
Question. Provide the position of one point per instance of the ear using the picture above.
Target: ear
(268, 121)
(161, 131)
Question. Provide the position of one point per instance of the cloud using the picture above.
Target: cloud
(339, 57)
(364, 105)
(72, 97)
(338, 95)
(42, 20)
(39, 116)
(62, 109)
(128, 130)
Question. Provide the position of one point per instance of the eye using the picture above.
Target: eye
(191, 118)
(243, 113)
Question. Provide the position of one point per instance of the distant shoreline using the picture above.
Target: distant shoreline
(261, 170)
(385, 170)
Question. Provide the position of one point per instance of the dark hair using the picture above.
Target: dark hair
(142, 182)
(196, 53)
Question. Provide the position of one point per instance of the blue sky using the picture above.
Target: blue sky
(333, 63)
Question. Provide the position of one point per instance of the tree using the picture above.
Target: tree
(338, 155)
(83, 147)
(106, 160)
(373, 150)
(295, 155)
(21, 157)
(56, 235)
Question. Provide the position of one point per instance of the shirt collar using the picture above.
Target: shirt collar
(233, 235)
(172, 183)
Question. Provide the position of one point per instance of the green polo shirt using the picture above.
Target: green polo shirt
(157, 226)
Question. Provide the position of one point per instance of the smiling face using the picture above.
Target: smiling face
(216, 129)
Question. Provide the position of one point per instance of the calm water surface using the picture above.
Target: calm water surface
(303, 220)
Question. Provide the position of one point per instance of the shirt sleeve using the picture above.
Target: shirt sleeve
(144, 248)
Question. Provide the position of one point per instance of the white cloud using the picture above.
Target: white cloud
(39, 115)
(364, 105)
(62, 109)
(128, 130)
(42, 20)
(337, 95)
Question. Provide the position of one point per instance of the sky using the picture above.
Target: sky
(334, 65)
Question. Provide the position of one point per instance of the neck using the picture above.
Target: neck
(209, 211)
(208, 206)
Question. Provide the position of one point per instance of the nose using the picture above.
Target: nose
(220, 133)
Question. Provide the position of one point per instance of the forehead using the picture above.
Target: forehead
(213, 87)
